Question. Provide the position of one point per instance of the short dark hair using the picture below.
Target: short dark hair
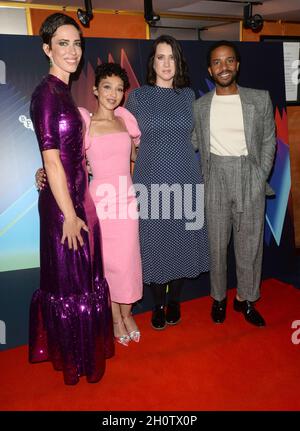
(111, 69)
(181, 78)
(222, 43)
(52, 23)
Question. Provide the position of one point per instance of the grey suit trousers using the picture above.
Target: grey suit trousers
(235, 204)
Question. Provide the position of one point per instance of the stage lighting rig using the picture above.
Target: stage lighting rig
(86, 15)
(255, 22)
(150, 16)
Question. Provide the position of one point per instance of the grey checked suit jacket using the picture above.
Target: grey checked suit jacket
(259, 128)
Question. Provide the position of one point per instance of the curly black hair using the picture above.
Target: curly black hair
(111, 69)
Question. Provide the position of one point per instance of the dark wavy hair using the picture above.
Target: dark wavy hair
(222, 43)
(111, 69)
(52, 23)
(181, 78)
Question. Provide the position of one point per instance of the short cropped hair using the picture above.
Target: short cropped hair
(217, 45)
(52, 23)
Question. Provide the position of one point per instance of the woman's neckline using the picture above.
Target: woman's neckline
(105, 134)
(163, 88)
(55, 78)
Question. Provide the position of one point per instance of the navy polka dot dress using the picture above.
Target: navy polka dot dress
(166, 159)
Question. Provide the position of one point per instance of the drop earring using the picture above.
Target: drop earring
(50, 62)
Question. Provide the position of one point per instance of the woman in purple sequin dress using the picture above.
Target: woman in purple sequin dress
(70, 316)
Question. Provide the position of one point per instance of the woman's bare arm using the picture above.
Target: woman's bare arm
(58, 183)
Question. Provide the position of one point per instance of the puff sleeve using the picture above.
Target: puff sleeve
(131, 124)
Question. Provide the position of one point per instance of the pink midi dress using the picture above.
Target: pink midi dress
(113, 193)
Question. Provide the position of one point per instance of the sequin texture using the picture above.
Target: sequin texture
(70, 315)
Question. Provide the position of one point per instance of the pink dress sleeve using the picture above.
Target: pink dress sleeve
(131, 124)
(87, 121)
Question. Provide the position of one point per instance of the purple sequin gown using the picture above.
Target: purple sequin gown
(70, 315)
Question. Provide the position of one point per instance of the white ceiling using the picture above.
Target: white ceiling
(205, 13)
(286, 10)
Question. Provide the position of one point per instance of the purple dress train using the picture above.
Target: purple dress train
(70, 315)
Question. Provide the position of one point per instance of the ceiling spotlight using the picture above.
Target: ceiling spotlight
(150, 16)
(86, 15)
(255, 22)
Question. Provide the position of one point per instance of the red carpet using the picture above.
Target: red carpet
(196, 365)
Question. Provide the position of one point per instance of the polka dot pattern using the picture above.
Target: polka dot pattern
(166, 156)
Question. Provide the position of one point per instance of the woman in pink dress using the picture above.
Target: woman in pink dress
(111, 137)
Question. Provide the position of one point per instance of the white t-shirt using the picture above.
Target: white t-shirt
(227, 134)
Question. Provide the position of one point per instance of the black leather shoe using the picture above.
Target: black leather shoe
(173, 313)
(249, 312)
(158, 320)
(218, 310)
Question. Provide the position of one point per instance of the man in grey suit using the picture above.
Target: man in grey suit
(235, 135)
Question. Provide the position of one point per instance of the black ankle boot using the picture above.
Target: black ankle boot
(158, 320)
(173, 313)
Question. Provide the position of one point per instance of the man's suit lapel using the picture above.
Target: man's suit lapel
(205, 119)
(248, 117)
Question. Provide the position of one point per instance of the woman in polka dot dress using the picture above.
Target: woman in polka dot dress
(168, 181)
